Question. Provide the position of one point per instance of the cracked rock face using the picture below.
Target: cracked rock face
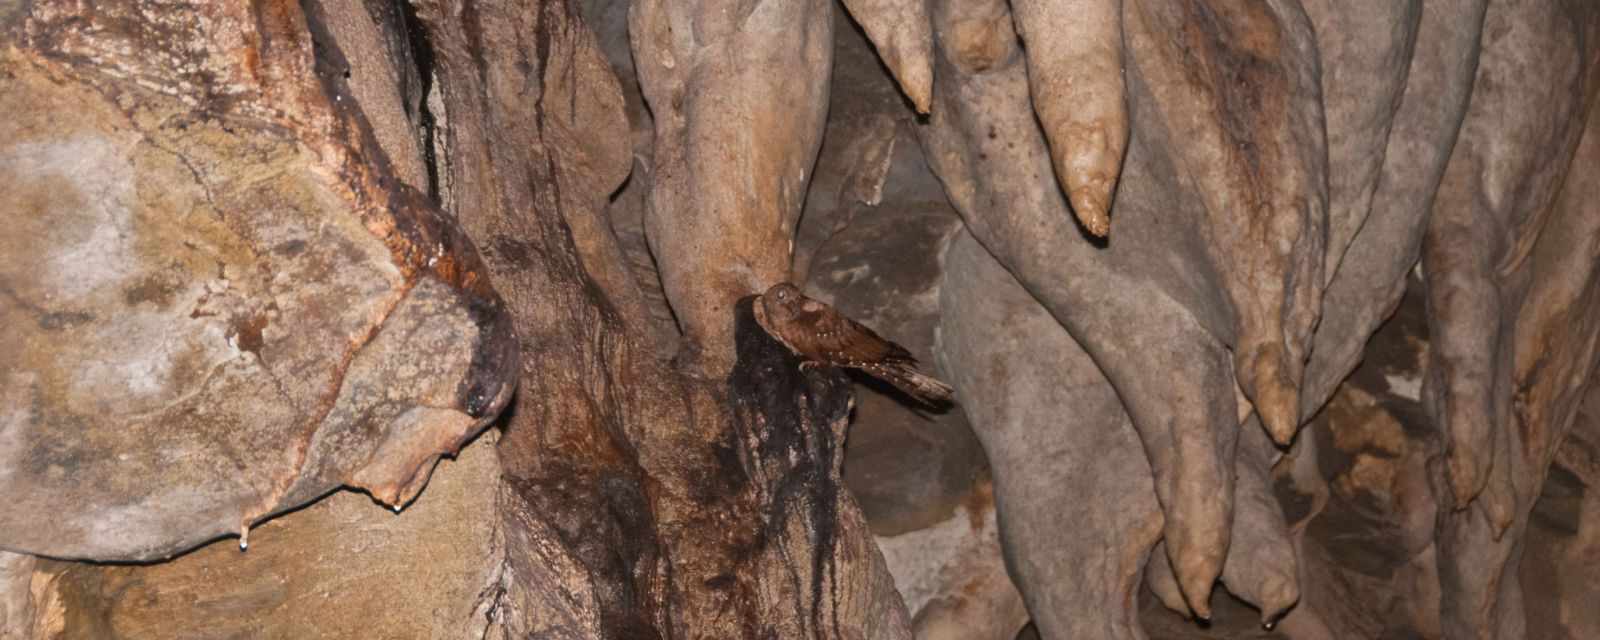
(215, 309)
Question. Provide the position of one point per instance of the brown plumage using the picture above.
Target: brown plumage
(819, 333)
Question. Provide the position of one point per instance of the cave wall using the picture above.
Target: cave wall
(1276, 313)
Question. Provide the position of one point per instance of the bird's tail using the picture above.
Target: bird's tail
(921, 387)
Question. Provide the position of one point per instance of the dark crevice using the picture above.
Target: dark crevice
(333, 73)
(423, 56)
(331, 66)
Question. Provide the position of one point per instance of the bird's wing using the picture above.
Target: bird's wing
(846, 342)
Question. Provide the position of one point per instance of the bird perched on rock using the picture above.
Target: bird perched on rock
(820, 334)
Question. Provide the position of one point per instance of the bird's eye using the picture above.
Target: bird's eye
(783, 295)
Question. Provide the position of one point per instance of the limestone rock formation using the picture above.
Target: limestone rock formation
(1270, 313)
(219, 302)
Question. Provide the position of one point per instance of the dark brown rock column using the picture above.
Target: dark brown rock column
(640, 500)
